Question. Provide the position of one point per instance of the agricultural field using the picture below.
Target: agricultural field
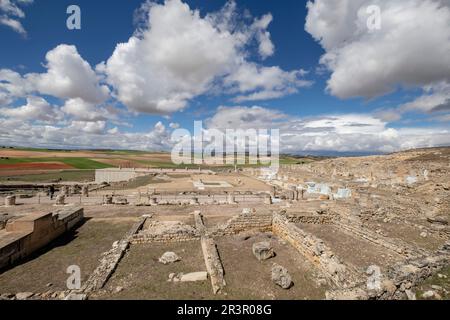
(45, 165)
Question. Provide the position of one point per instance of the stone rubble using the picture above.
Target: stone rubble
(281, 276)
(263, 251)
(169, 257)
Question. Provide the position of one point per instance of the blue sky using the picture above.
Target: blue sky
(399, 109)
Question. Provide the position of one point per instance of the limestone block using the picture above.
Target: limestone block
(10, 201)
(263, 251)
(281, 276)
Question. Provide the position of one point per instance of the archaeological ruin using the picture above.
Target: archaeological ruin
(345, 228)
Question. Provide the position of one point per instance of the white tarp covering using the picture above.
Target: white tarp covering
(411, 179)
(343, 194)
(320, 188)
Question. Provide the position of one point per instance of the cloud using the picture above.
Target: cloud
(340, 132)
(80, 134)
(13, 86)
(96, 127)
(436, 98)
(36, 108)
(266, 47)
(68, 76)
(322, 133)
(86, 111)
(365, 63)
(263, 83)
(176, 55)
(10, 12)
(245, 118)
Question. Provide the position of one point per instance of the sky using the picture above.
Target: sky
(350, 76)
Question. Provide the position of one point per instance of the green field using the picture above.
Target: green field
(77, 163)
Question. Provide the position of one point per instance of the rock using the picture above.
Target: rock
(24, 295)
(410, 294)
(424, 234)
(75, 297)
(118, 289)
(263, 250)
(442, 276)
(8, 295)
(121, 201)
(194, 276)
(281, 276)
(172, 276)
(420, 263)
(389, 286)
(319, 249)
(335, 267)
(438, 288)
(428, 294)
(169, 257)
(441, 220)
(48, 285)
(322, 282)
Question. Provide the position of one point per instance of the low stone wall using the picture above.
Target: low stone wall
(197, 200)
(243, 223)
(317, 252)
(398, 282)
(213, 264)
(396, 245)
(159, 232)
(293, 218)
(23, 236)
(110, 260)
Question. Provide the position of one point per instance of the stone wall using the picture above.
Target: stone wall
(294, 218)
(399, 281)
(213, 264)
(110, 260)
(396, 245)
(25, 235)
(165, 232)
(317, 252)
(243, 223)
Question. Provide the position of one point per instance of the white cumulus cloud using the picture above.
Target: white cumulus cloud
(177, 54)
(412, 48)
(36, 108)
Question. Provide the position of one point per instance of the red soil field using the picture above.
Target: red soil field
(35, 166)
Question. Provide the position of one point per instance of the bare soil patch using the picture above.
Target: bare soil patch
(142, 277)
(81, 247)
(247, 278)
